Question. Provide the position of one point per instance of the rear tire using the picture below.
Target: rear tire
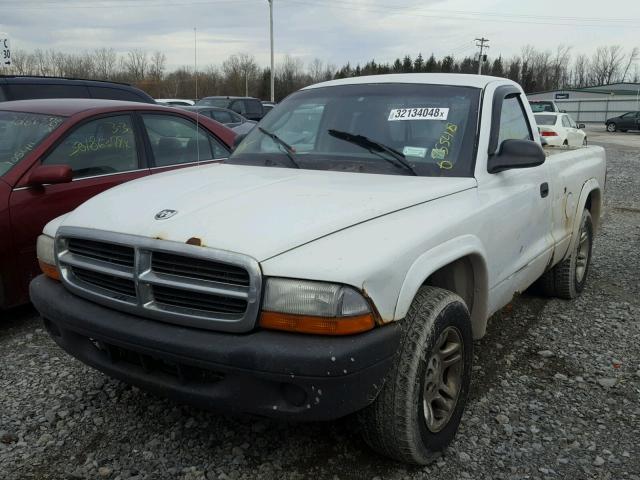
(611, 127)
(584, 142)
(568, 278)
(418, 410)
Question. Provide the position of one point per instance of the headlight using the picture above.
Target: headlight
(314, 307)
(46, 256)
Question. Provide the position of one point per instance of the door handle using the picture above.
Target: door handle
(544, 189)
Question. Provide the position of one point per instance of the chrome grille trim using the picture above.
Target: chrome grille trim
(96, 283)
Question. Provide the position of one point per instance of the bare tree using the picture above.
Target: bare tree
(136, 64)
(158, 65)
(105, 61)
(606, 64)
(633, 56)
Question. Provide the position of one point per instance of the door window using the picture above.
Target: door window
(99, 147)
(173, 141)
(22, 91)
(220, 116)
(513, 121)
(239, 107)
(115, 94)
(254, 107)
(565, 122)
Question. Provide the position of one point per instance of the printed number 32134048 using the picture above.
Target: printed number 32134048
(418, 113)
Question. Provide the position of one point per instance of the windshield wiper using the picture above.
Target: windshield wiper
(288, 149)
(372, 146)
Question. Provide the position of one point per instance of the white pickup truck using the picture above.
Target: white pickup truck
(342, 260)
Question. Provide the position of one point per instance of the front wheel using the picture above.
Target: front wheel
(418, 410)
(611, 127)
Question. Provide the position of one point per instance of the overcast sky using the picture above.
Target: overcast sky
(336, 31)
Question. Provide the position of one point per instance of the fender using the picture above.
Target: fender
(444, 254)
(588, 187)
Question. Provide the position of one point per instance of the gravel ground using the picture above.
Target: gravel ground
(555, 394)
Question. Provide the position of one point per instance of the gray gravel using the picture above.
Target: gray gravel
(556, 394)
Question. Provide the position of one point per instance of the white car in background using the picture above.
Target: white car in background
(559, 129)
(176, 102)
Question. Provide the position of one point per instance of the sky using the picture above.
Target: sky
(335, 31)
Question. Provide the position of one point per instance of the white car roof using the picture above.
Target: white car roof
(458, 79)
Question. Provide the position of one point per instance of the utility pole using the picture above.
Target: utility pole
(273, 96)
(480, 56)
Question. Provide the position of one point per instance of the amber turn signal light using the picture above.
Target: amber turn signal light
(50, 271)
(317, 325)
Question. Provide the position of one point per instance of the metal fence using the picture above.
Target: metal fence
(598, 110)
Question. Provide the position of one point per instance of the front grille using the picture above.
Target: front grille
(198, 301)
(111, 283)
(168, 281)
(190, 267)
(106, 252)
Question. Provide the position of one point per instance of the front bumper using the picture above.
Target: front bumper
(274, 374)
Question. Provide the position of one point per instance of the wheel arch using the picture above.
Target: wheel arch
(458, 265)
(591, 199)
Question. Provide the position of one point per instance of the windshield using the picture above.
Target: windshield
(20, 133)
(214, 102)
(545, 119)
(371, 128)
(541, 107)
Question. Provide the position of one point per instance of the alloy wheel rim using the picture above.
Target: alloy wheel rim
(582, 258)
(443, 379)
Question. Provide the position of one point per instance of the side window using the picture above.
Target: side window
(3, 97)
(236, 118)
(18, 91)
(239, 107)
(115, 94)
(572, 123)
(222, 117)
(173, 141)
(99, 147)
(254, 107)
(565, 121)
(513, 122)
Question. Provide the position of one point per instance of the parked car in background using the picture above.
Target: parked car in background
(248, 107)
(175, 102)
(560, 129)
(57, 153)
(628, 121)
(538, 106)
(228, 118)
(14, 87)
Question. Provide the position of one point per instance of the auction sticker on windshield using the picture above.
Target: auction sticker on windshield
(418, 113)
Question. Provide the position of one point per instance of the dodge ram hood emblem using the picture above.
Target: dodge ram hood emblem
(164, 214)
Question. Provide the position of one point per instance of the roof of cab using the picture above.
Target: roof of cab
(70, 106)
(458, 79)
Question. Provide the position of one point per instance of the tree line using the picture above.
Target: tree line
(240, 74)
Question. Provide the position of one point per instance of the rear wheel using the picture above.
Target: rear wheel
(611, 127)
(418, 410)
(565, 143)
(567, 279)
(584, 142)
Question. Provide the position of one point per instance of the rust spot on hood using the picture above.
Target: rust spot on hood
(194, 241)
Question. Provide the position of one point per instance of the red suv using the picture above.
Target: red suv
(57, 153)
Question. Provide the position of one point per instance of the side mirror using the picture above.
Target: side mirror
(581, 125)
(238, 140)
(516, 154)
(50, 174)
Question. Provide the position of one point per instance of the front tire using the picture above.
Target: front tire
(418, 410)
(611, 127)
(568, 278)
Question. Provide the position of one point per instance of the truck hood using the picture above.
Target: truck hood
(258, 211)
